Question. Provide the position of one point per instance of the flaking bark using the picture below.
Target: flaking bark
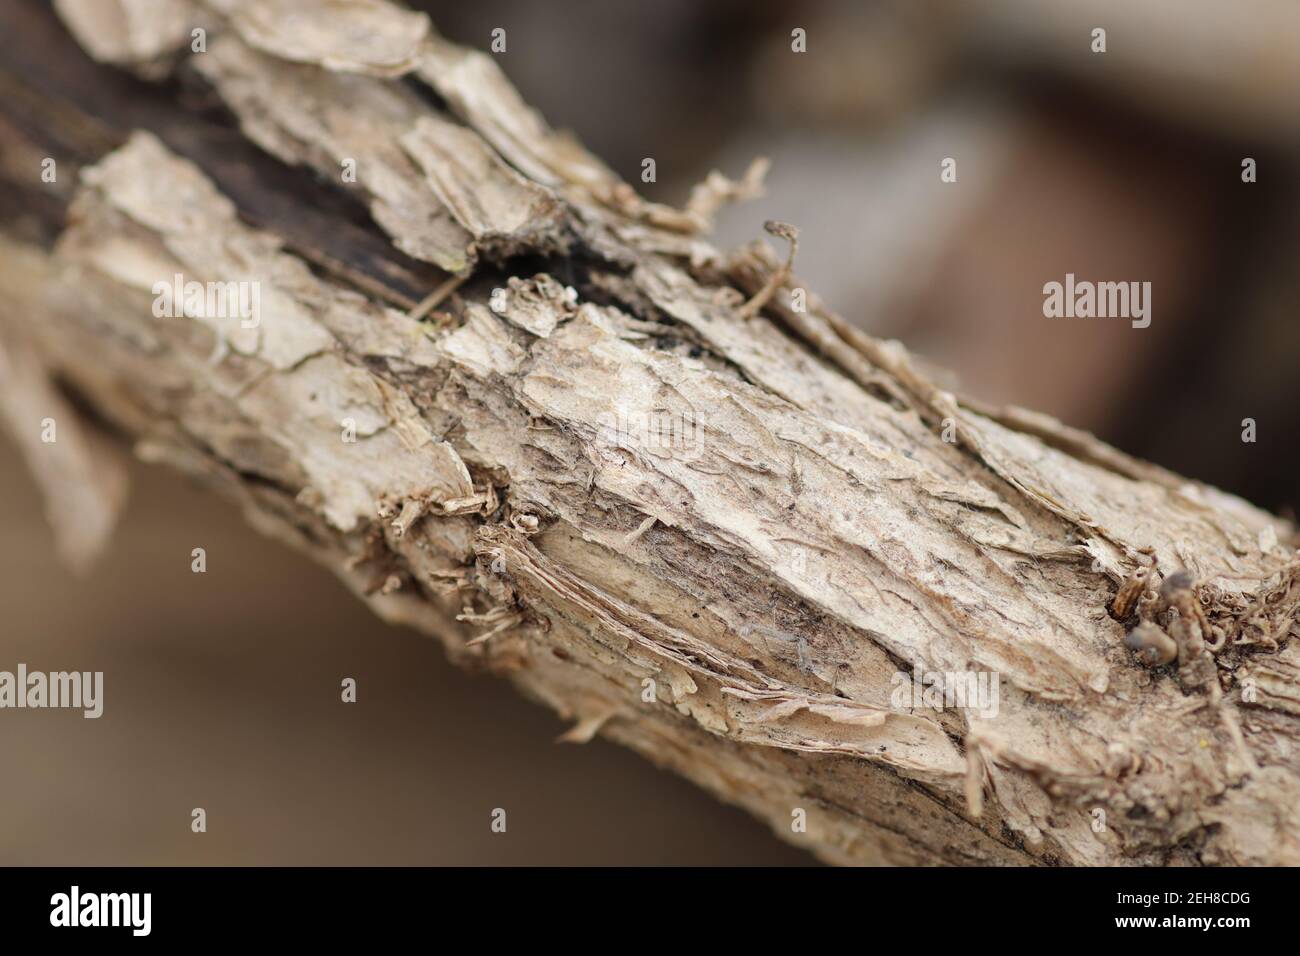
(807, 535)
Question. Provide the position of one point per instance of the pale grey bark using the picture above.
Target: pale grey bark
(820, 517)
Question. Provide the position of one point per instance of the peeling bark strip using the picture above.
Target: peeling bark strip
(716, 537)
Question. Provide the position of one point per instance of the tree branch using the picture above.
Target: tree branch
(716, 538)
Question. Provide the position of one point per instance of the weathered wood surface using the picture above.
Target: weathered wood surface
(816, 518)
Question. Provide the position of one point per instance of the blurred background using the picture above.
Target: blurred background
(222, 690)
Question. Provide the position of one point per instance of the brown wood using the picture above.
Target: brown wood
(720, 534)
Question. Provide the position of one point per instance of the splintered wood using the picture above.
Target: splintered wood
(666, 499)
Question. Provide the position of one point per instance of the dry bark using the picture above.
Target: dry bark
(768, 568)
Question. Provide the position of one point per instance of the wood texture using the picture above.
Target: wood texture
(591, 467)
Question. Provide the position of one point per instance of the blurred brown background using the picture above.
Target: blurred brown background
(222, 690)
